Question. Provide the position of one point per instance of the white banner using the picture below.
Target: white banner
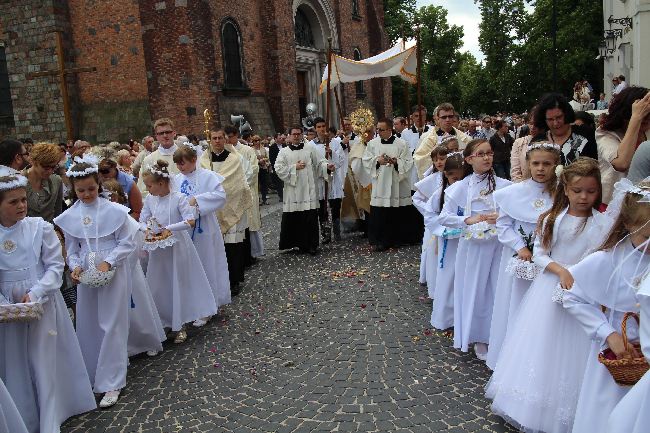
(400, 60)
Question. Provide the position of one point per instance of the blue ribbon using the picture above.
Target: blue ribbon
(197, 227)
(444, 251)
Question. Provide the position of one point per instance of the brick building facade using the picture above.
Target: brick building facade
(174, 58)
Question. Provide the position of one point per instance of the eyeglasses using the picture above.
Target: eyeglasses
(448, 116)
(556, 118)
(296, 134)
(104, 170)
(169, 131)
(483, 155)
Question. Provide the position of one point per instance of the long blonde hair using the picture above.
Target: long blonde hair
(582, 167)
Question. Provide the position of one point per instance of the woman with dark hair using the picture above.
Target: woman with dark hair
(554, 118)
(626, 126)
(108, 170)
(583, 118)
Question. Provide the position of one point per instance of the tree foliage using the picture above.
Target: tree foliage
(516, 38)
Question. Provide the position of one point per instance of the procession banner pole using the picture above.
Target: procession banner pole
(338, 107)
(419, 76)
(327, 107)
(406, 88)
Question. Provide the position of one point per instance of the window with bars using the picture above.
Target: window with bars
(232, 55)
(302, 30)
(356, 10)
(6, 107)
(361, 94)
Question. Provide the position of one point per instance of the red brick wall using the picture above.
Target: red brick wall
(108, 36)
(180, 60)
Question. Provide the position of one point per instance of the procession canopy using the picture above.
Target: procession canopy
(400, 60)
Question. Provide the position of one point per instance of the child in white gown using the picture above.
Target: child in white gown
(40, 360)
(469, 206)
(609, 279)
(520, 206)
(99, 238)
(175, 274)
(204, 190)
(539, 370)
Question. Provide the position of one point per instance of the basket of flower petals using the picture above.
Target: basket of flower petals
(625, 371)
(157, 237)
(20, 312)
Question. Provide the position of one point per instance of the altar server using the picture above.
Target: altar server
(99, 237)
(40, 361)
(165, 135)
(388, 160)
(175, 274)
(470, 206)
(520, 206)
(610, 278)
(299, 165)
(542, 337)
(205, 192)
(334, 187)
(225, 161)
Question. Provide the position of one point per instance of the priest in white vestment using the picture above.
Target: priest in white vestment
(233, 219)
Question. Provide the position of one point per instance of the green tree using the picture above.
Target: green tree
(439, 45)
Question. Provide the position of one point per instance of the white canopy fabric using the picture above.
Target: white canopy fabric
(400, 60)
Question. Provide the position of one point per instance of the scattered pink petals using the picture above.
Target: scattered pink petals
(213, 349)
(363, 306)
(216, 365)
(427, 332)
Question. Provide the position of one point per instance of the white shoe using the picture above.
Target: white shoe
(481, 350)
(181, 336)
(152, 352)
(200, 322)
(109, 399)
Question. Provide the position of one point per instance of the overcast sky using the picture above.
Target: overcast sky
(463, 13)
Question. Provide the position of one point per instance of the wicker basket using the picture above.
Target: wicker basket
(26, 312)
(625, 372)
(92, 276)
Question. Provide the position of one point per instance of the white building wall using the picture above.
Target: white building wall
(632, 55)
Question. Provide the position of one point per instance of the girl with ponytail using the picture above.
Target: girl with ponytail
(470, 206)
(542, 338)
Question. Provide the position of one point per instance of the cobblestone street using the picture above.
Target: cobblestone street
(338, 342)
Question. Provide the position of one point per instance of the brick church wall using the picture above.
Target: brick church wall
(30, 46)
(114, 99)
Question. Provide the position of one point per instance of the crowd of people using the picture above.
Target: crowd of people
(534, 232)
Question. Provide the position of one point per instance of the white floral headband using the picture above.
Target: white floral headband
(87, 158)
(449, 155)
(11, 180)
(154, 170)
(538, 145)
(626, 186)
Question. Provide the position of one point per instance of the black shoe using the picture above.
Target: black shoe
(235, 289)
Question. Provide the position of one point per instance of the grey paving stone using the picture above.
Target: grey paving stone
(335, 342)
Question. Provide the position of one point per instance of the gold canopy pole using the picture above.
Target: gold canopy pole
(207, 117)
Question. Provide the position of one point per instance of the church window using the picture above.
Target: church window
(6, 109)
(356, 10)
(361, 94)
(302, 30)
(232, 55)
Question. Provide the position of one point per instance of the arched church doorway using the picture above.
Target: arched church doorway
(313, 24)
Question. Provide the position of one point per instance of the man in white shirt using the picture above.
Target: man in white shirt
(622, 84)
(165, 133)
